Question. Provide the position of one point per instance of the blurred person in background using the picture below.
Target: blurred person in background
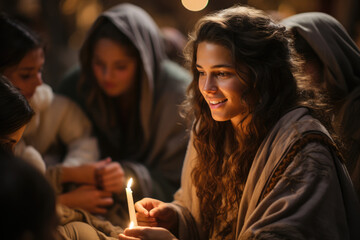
(57, 120)
(28, 200)
(132, 92)
(333, 64)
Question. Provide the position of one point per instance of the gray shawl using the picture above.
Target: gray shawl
(341, 59)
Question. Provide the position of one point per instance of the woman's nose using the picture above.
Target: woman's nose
(209, 84)
(38, 81)
(106, 74)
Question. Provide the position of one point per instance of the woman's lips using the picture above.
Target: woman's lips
(216, 103)
(109, 85)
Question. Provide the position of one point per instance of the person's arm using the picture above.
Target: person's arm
(98, 181)
(75, 132)
(87, 197)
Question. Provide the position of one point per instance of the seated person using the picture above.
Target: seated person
(56, 118)
(132, 92)
(258, 165)
(27, 198)
(333, 65)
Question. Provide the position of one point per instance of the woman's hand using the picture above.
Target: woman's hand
(84, 174)
(154, 213)
(146, 233)
(110, 177)
(88, 198)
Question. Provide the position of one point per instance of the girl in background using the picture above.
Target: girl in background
(27, 198)
(333, 64)
(132, 92)
(57, 120)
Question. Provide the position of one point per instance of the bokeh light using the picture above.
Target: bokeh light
(195, 5)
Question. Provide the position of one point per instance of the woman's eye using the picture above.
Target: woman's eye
(121, 67)
(201, 73)
(97, 63)
(223, 74)
(25, 77)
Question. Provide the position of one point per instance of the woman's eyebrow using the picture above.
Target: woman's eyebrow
(218, 66)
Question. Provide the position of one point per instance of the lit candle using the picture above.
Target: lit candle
(131, 225)
(130, 201)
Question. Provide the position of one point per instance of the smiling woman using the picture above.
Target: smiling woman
(220, 84)
(258, 164)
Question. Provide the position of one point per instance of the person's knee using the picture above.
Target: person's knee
(80, 231)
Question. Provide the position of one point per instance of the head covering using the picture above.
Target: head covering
(341, 59)
(335, 48)
(139, 27)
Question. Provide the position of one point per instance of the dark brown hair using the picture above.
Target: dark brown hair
(15, 111)
(16, 40)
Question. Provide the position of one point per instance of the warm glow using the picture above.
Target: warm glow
(86, 16)
(129, 183)
(131, 225)
(195, 5)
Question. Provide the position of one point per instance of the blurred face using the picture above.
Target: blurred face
(114, 69)
(219, 83)
(14, 138)
(27, 75)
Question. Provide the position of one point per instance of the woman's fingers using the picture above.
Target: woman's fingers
(124, 237)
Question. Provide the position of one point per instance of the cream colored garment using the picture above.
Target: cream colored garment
(30, 155)
(81, 225)
(58, 118)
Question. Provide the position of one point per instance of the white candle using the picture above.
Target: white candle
(130, 201)
(131, 225)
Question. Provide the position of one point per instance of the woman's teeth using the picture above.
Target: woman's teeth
(217, 102)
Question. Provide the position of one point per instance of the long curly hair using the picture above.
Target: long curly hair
(224, 156)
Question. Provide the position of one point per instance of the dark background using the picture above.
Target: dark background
(63, 24)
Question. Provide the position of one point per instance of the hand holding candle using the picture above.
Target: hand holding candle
(130, 201)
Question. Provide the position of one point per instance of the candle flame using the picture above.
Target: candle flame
(131, 225)
(129, 183)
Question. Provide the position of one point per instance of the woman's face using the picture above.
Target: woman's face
(27, 75)
(219, 83)
(114, 69)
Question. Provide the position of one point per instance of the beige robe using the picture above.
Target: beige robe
(57, 118)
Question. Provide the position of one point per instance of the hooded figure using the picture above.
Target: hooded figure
(132, 93)
(324, 43)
